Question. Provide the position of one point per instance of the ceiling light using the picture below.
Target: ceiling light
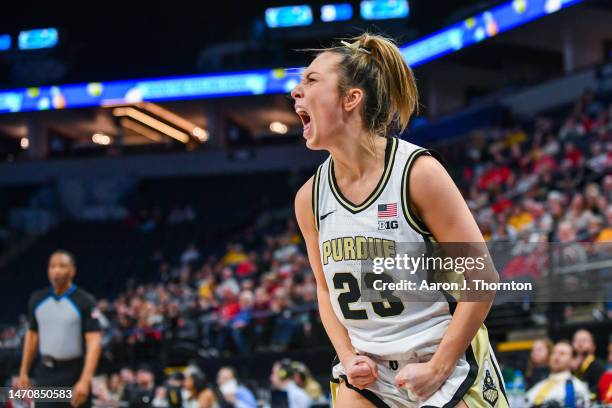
(200, 134)
(152, 123)
(101, 139)
(278, 127)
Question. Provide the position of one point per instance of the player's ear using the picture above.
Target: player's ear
(352, 98)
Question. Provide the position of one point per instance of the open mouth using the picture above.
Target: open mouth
(305, 118)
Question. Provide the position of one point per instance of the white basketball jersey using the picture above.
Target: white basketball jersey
(350, 233)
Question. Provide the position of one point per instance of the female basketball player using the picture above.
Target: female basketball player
(353, 99)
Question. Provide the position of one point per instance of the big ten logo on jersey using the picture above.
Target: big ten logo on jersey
(387, 216)
(387, 225)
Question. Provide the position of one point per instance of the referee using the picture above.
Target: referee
(65, 330)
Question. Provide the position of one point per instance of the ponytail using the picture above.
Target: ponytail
(375, 64)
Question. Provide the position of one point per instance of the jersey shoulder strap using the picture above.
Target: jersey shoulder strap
(414, 152)
(316, 187)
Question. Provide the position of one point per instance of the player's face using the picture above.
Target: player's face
(561, 358)
(60, 271)
(318, 102)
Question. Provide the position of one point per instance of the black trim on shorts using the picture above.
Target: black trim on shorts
(466, 384)
(367, 394)
(470, 358)
(500, 379)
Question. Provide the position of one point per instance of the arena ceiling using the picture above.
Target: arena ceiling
(126, 39)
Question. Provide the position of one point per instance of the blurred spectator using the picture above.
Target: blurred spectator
(182, 215)
(172, 395)
(228, 286)
(115, 387)
(234, 255)
(238, 324)
(588, 368)
(196, 393)
(127, 376)
(571, 252)
(142, 392)
(9, 338)
(560, 386)
(282, 379)
(605, 388)
(305, 380)
(286, 249)
(107, 391)
(283, 325)
(605, 235)
(190, 254)
(537, 368)
(609, 362)
(232, 391)
(571, 129)
(605, 383)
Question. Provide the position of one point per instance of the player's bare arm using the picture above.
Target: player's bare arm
(361, 370)
(440, 205)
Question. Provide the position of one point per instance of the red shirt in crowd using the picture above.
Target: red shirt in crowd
(494, 176)
(574, 156)
(501, 206)
(544, 163)
(229, 310)
(245, 269)
(605, 387)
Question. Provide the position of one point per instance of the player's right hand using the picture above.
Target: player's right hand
(23, 381)
(361, 371)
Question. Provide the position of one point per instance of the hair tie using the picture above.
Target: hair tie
(358, 48)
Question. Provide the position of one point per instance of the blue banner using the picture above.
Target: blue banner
(270, 81)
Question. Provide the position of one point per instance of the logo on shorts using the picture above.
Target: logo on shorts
(489, 387)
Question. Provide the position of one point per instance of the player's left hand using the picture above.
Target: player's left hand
(80, 393)
(422, 379)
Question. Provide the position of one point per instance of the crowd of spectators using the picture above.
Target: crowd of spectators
(542, 182)
(242, 301)
(552, 182)
(290, 385)
(149, 219)
(548, 183)
(562, 374)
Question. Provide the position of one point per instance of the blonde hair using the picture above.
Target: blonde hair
(374, 64)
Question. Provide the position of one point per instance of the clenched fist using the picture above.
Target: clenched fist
(421, 379)
(361, 371)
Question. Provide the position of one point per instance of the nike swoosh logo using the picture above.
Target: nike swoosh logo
(325, 215)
